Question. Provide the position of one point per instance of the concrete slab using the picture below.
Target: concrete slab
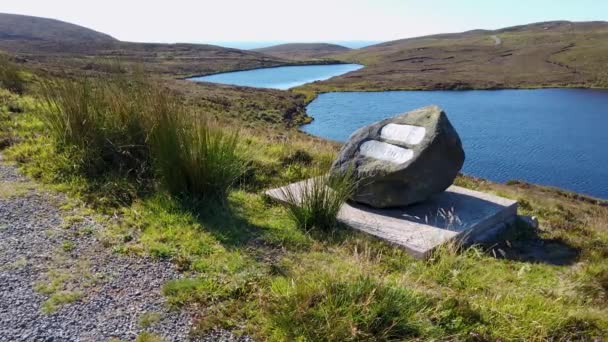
(457, 213)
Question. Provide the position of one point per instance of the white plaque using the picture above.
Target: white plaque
(411, 135)
(383, 151)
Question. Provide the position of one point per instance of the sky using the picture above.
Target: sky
(300, 21)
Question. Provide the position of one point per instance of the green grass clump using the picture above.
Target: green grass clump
(124, 135)
(11, 77)
(149, 318)
(102, 124)
(315, 203)
(149, 337)
(56, 300)
(196, 157)
(327, 309)
(92, 135)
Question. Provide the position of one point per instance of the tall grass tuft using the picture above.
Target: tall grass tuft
(314, 203)
(196, 157)
(11, 77)
(131, 128)
(105, 123)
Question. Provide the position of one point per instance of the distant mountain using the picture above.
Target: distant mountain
(548, 54)
(22, 27)
(301, 51)
(60, 46)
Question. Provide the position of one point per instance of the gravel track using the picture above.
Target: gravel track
(37, 246)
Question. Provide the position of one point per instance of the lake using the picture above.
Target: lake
(555, 137)
(280, 77)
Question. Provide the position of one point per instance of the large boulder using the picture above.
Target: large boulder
(402, 160)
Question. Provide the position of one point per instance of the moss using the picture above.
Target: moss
(149, 318)
(149, 337)
(58, 299)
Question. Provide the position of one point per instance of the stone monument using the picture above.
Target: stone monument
(405, 167)
(402, 160)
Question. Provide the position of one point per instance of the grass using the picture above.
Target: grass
(149, 318)
(68, 246)
(314, 204)
(149, 337)
(195, 157)
(247, 265)
(123, 137)
(331, 309)
(56, 300)
(58, 290)
(15, 189)
(11, 76)
(102, 124)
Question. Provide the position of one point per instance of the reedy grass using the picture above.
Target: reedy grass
(11, 76)
(196, 157)
(102, 123)
(314, 204)
(133, 129)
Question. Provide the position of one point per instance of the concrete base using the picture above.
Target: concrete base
(457, 213)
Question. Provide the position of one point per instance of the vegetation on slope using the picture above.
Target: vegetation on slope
(248, 267)
(250, 107)
(303, 51)
(11, 77)
(551, 54)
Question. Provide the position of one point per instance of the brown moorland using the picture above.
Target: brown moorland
(303, 51)
(549, 54)
(52, 47)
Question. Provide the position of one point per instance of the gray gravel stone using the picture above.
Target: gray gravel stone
(116, 289)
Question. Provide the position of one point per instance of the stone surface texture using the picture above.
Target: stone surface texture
(404, 159)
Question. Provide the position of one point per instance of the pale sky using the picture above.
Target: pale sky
(304, 20)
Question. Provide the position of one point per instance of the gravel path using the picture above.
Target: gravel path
(41, 254)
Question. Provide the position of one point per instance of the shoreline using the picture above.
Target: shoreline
(293, 63)
(554, 189)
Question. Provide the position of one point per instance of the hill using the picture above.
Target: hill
(57, 48)
(27, 28)
(301, 51)
(549, 54)
(62, 47)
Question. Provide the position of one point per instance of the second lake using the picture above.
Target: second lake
(284, 77)
(556, 137)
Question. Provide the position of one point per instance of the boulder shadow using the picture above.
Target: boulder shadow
(448, 210)
(226, 225)
(521, 242)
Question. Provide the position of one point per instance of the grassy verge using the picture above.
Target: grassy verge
(248, 267)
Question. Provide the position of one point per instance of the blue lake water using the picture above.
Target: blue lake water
(248, 45)
(281, 77)
(555, 137)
